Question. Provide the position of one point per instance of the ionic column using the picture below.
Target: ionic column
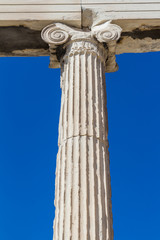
(83, 192)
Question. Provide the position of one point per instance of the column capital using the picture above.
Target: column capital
(58, 34)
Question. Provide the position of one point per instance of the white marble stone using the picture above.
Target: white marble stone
(64, 10)
(83, 191)
(130, 15)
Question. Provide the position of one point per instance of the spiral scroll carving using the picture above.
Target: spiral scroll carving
(107, 32)
(54, 35)
(106, 36)
(75, 41)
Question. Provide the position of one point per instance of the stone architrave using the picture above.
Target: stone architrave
(83, 191)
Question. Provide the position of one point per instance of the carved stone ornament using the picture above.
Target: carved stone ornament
(106, 32)
(60, 34)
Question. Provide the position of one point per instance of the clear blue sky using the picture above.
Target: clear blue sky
(29, 114)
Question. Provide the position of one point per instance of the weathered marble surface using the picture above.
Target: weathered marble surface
(71, 9)
(83, 191)
(21, 22)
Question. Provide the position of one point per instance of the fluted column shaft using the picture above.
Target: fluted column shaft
(83, 193)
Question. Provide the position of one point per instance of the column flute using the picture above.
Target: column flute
(83, 191)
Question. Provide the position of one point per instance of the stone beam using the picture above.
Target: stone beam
(21, 22)
(23, 39)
